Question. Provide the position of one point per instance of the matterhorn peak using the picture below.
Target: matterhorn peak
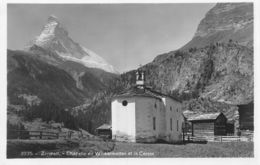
(55, 38)
(53, 18)
(48, 33)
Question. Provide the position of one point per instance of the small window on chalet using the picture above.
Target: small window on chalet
(124, 103)
(177, 110)
(155, 106)
(171, 108)
(177, 125)
(154, 123)
(171, 123)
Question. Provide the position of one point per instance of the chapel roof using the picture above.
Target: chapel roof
(204, 116)
(188, 113)
(105, 126)
(144, 92)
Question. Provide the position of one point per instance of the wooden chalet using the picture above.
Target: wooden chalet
(104, 131)
(208, 124)
(246, 116)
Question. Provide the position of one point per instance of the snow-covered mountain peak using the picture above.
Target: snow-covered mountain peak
(51, 30)
(55, 38)
(53, 18)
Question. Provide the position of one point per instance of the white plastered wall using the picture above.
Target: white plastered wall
(173, 111)
(134, 122)
(123, 119)
(145, 111)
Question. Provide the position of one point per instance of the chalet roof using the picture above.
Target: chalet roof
(145, 92)
(187, 114)
(205, 116)
(105, 126)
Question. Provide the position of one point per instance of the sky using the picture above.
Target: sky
(125, 35)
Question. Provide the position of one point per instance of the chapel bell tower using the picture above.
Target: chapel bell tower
(140, 78)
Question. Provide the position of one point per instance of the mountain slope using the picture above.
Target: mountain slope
(89, 80)
(224, 22)
(221, 72)
(27, 75)
(37, 89)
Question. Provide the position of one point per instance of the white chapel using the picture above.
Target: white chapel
(141, 114)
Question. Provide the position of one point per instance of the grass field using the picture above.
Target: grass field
(216, 149)
(96, 148)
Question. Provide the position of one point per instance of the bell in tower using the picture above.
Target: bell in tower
(140, 78)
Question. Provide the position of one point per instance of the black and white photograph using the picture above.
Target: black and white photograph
(130, 80)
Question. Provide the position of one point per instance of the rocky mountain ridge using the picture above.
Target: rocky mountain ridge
(222, 72)
(224, 22)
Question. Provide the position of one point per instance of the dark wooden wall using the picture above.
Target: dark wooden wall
(210, 127)
(104, 132)
(230, 128)
(203, 128)
(246, 116)
(220, 125)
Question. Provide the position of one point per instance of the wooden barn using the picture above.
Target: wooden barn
(208, 124)
(104, 131)
(246, 116)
